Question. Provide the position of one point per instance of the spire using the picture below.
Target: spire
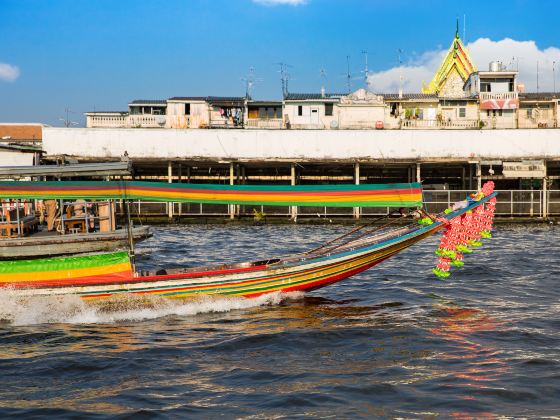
(457, 30)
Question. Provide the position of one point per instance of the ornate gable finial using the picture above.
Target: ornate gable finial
(457, 60)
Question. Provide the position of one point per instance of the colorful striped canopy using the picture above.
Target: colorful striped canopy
(78, 270)
(366, 195)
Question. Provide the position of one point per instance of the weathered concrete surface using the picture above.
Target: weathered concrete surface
(303, 145)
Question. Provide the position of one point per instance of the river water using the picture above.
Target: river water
(394, 341)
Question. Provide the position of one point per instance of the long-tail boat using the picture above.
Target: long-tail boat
(114, 274)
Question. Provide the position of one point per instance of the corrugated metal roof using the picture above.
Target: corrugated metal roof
(312, 96)
(237, 100)
(106, 112)
(539, 95)
(212, 99)
(148, 102)
(82, 169)
(188, 98)
(264, 103)
(24, 148)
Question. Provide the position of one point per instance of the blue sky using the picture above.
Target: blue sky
(100, 54)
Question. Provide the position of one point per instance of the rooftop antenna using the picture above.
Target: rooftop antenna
(250, 81)
(323, 75)
(366, 69)
(348, 75)
(401, 77)
(67, 122)
(284, 77)
(517, 60)
(554, 75)
(537, 76)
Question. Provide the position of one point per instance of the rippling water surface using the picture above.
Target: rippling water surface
(393, 341)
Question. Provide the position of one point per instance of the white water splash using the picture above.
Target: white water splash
(73, 310)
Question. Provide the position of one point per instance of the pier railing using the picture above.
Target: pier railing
(511, 203)
(126, 121)
(270, 123)
(455, 124)
(486, 96)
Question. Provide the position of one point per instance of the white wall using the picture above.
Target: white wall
(294, 145)
(364, 116)
(178, 119)
(306, 120)
(9, 158)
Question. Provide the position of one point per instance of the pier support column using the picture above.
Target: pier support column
(170, 180)
(293, 209)
(544, 195)
(231, 182)
(179, 176)
(478, 176)
(357, 182)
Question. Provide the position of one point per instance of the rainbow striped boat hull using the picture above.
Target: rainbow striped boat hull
(245, 279)
(108, 275)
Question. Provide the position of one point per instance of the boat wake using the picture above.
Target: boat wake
(71, 309)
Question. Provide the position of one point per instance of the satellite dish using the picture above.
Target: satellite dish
(334, 124)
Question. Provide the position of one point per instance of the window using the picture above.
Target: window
(462, 112)
(300, 110)
(187, 109)
(453, 103)
(328, 110)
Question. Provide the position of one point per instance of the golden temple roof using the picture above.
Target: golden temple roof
(457, 60)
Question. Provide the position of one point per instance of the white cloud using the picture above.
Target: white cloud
(280, 2)
(482, 51)
(8, 73)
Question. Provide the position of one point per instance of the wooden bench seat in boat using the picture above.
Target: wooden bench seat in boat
(27, 224)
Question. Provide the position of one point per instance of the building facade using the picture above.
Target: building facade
(458, 97)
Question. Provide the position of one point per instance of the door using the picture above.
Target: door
(315, 116)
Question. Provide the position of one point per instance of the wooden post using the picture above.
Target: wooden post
(170, 180)
(18, 219)
(357, 182)
(231, 182)
(293, 209)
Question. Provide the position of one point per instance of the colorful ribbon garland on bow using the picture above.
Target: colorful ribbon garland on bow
(465, 232)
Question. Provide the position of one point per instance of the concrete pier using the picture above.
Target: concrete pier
(524, 164)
